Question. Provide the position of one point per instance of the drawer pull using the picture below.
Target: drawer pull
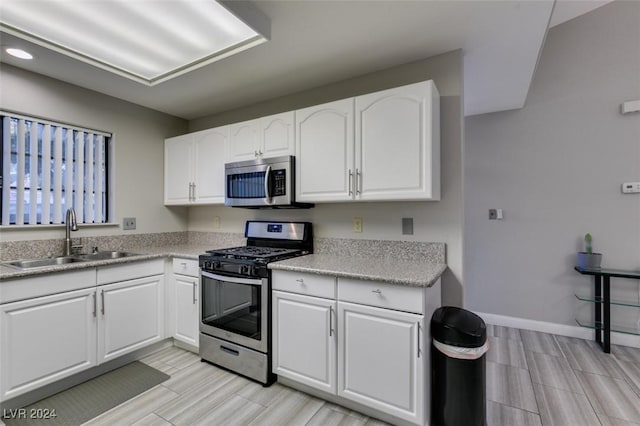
(300, 280)
(229, 351)
(377, 291)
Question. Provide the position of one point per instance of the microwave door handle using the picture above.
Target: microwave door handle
(266, 184)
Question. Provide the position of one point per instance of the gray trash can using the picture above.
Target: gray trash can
(458, 368)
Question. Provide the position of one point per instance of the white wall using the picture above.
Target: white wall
(556, 168)
(138, 156)
(439, 221)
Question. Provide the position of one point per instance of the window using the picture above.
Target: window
(49, 167)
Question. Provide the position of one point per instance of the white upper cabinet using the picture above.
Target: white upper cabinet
(209, 147)
(194, 167)
(380, 146)
(398, 144)
(270, 136)
(325, 152)
(177, 170)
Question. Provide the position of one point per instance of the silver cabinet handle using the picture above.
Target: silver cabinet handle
(102, 295)
(255, 153)
(419, 351)
(300, 280)
(95, 305)
(350, 182)
(260, 153)
(330, 320)
(190, 191)
(377, 291)
(194, 293)
(194, 192)
(358, 182)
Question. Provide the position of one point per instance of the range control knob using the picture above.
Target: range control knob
(244, 269)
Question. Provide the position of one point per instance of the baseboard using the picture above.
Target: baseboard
(560, 329)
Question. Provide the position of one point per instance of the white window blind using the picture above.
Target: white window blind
(49, 167)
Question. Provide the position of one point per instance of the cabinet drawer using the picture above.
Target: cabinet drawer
(186, 267)
(130, 271)
(309, 284)
(383, 295)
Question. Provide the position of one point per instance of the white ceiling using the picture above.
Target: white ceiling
(314, 43)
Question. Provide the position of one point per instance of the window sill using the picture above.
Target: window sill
(4, 228)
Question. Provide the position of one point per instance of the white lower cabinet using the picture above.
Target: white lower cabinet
(304, 339)
(185, 296)
(363, 341)
(45, 339)
(380, 359)
(53, 326)
(131, 316)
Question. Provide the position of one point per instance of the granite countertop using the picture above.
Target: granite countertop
(186, 251)
(410, 273)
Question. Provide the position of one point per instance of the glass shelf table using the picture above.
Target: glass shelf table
(602, 302)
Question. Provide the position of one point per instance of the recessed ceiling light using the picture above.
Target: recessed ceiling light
(19, 53)
(149, 41)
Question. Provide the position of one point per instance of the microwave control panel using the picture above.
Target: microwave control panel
(279, 183)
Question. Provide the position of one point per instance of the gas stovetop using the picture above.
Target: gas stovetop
(266, 242)
(254, 253)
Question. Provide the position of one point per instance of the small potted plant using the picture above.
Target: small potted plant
(588, 259)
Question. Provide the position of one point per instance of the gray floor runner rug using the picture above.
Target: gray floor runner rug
(89, 399)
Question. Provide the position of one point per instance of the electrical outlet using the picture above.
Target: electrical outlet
(216, 221)
(357, 224)
(128, 223)
(407, 226)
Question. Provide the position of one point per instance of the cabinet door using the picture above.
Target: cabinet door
(277, 134)
(244, 140)
(209, 157)
(325, 152)
(131, 315)
(304, 340)
(186, 298)
(398, 144)
(46, 339)
(378, 360)
(177, 170)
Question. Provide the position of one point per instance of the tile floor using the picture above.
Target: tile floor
(532, 379)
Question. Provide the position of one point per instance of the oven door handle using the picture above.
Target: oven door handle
(232, 279)
(267, 176)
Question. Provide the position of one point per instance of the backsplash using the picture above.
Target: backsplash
(400, 250)
(385, 249)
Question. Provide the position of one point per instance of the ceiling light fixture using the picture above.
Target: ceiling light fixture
(149, 41)
(19, 53)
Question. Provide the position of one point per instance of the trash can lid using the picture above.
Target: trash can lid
(458, 327)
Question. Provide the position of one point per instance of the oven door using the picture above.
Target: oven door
(235, 309)
(260, 183)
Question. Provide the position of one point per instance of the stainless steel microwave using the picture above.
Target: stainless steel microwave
(262, 183)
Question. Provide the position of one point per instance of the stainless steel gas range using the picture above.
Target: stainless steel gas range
(235, 310)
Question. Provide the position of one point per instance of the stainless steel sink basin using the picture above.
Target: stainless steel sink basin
(38, 263)
(63, 260)
(103, 255)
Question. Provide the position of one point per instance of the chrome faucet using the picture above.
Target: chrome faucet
(70, 224)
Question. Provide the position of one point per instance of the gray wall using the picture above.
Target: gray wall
(439, 221)
(556, 168)
(139, 135)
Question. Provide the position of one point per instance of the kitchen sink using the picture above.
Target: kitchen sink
(103, 255)
(38, 263)
(63, 260)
